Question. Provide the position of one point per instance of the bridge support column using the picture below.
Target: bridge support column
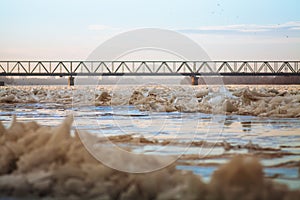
(71, 81)
(2, 83)
(195, 80)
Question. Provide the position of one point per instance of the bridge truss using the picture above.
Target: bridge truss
(149, 68)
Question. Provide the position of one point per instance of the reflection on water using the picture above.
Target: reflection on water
(275, 141)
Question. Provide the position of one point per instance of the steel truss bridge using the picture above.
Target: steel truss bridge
(149, 68)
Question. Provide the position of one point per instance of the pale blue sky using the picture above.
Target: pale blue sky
(70, 29)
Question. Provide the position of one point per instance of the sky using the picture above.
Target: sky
(226, 29)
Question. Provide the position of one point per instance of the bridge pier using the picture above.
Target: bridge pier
(195, 80)
(2, 83)
(71, 81)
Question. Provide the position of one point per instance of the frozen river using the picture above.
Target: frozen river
(201, 141)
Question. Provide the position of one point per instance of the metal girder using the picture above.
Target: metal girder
(149, 68)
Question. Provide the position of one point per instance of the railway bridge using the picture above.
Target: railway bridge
(194, 69)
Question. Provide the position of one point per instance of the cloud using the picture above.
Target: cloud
(295, 28)
(246, 28)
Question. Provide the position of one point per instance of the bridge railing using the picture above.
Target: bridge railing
(76, 68)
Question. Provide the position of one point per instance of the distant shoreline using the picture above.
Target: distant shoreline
(232, 80)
